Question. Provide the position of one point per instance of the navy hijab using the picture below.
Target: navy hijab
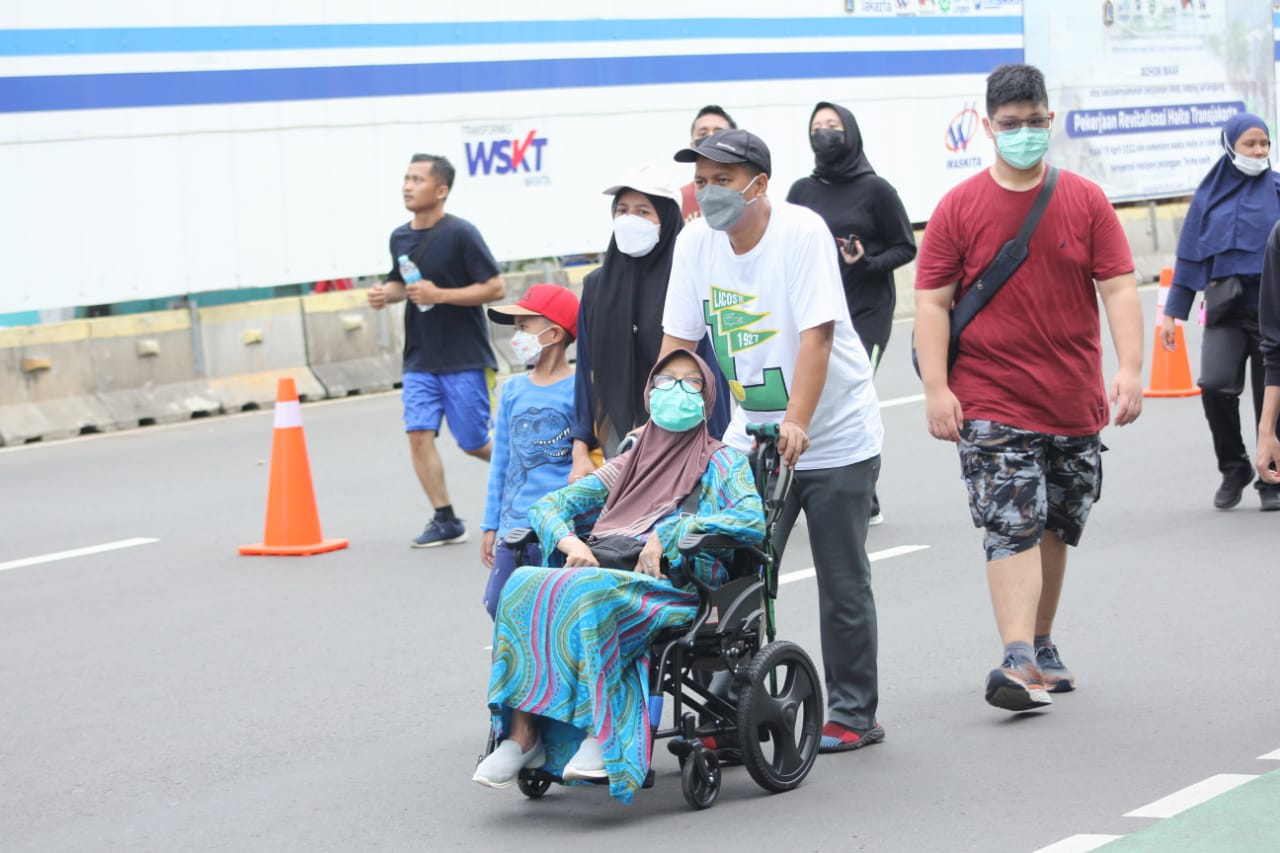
(1230, 215)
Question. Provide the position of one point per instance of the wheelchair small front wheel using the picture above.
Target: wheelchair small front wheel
(700, 779)
(533, 787)
(780, 716)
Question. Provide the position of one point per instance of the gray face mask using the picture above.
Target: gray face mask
(722, 207)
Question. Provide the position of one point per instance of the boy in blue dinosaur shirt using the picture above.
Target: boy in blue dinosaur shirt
(532, 447)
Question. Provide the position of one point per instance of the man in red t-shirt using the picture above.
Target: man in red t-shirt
(710, 119)
(1025, 398)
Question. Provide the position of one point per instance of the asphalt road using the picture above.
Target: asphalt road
(175, 696)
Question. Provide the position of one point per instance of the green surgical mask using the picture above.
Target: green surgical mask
(1024, 147)
(675, 409)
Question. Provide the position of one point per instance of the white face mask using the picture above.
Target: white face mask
(635, 235)
(1251, 166)
(526, 346)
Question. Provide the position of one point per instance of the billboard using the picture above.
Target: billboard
(1141, 88)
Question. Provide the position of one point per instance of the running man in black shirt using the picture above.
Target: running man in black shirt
(449, 367)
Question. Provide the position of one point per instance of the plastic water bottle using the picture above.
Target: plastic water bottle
(410, 273)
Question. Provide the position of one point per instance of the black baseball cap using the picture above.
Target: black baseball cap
(733, 145)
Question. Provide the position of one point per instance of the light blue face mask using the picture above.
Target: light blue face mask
(1024, 147)
(675, 409)
(722, 207)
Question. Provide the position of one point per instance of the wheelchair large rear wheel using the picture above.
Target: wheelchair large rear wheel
(780, 716)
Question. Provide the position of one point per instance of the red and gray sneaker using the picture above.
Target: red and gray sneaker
(1017, 686)
(1057, 678)
(838, 738)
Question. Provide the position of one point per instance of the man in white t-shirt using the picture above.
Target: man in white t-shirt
(764, 279)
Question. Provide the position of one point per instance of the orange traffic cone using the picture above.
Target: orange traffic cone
(293, 524)
(1170, 371)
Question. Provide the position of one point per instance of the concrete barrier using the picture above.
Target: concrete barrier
(249, 346)
(574, 275)
(47, 384)
(1153, 236)
(391, 331)
(349, 346)
(145, 368)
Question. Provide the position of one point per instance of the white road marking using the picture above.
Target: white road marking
(76, 552)
(901, 401)
(1192, 795)
(1078, 844)
(887, 553)
(1270, 756)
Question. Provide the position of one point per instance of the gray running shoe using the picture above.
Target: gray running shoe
(1016, 686)
(1057, 678)
(441, 531)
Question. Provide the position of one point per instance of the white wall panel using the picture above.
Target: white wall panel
(161, 200)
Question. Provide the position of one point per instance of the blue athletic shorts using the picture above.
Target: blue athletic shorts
(464, 399)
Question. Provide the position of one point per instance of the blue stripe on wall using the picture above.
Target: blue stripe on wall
(180, 88)
(50, 42)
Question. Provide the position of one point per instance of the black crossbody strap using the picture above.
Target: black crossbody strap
(1011, 256)
(1037, 210)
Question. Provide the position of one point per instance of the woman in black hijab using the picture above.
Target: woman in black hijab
(865, 216)
(620, 320)
(869, 223)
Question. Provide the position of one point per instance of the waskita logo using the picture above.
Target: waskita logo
(961, 130)
(507, 156)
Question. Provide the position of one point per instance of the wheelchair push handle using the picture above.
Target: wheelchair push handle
(773, 479)
(764, 432)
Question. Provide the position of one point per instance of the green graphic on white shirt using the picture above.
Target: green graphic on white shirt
(732, 332)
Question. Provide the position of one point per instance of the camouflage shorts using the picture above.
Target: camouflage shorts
(1023, 483)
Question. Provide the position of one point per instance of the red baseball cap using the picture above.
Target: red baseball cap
(557, 304)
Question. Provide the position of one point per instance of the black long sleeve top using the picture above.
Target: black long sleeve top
(869, 207)
(1269, 308)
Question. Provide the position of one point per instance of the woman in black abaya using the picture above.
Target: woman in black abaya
(872, 232)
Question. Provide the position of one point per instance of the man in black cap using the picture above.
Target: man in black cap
(710, 119)
(764, 279)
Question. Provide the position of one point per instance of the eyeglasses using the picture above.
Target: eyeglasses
(692, 384)
(1038, 122)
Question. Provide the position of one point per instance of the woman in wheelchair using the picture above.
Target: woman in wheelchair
(569, 684)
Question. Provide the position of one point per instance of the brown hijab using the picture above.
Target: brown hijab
(651, 479)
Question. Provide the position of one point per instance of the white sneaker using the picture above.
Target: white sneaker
(878, 518)
(500, 768)
(587, 763)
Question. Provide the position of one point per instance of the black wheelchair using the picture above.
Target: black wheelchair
(738, 695)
